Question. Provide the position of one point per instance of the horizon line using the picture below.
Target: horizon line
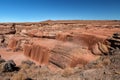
(60, 20)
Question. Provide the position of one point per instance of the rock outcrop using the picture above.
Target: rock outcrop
(62, 54)
(96, 45)
(17, 43)
(67, 50)
(2, 41)
(115, 41)
(41, 34)
(69, 56)
(37, 53)
(12, 44)
(100, 49)
(10, 30)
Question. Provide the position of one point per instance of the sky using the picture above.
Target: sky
(40, 10)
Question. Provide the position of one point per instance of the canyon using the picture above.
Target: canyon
(60, 44)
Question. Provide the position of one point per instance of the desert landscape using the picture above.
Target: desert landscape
(60, 50)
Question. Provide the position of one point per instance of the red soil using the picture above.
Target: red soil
(18, 57)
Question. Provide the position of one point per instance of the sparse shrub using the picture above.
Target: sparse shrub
(106, 61)
(22, 75)
(67, 72)
(28, 79)
(2, 60)
(78, 61)
(9, 66)
(27, 64)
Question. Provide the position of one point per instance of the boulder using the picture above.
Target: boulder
(8, 66)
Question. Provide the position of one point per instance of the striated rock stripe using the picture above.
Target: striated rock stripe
(38, 53)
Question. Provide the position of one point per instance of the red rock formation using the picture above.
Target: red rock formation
(12, 43)
(95, 44)
(69, 53)
(63, 36)
(95, 50)
(41, 34)
(69, 56)
(38, 53)
(32, 33)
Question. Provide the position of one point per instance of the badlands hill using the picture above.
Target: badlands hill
(62, 49)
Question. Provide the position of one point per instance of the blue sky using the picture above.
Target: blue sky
(39, 10)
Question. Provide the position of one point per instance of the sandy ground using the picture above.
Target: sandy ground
(18, 57)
